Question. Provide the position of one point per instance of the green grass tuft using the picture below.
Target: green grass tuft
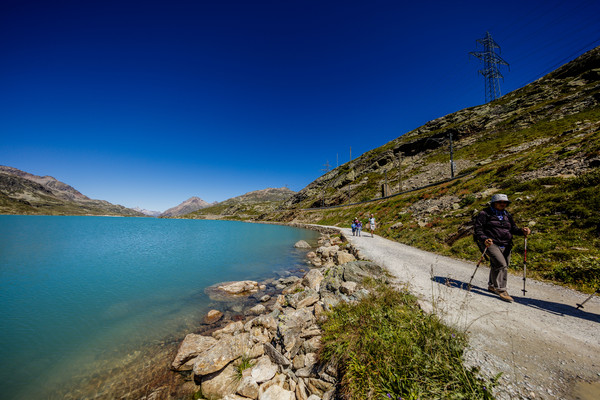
(388, 347)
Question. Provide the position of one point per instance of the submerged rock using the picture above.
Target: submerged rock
(302, 244)
(230, 290)
(212, 316)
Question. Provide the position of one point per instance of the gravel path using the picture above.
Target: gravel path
(543, 345)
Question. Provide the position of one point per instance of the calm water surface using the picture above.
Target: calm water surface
(80, 293)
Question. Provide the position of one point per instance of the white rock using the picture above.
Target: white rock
(264, 370)
(342, 257)
(276, 393)
(302, 244)
(313, 279)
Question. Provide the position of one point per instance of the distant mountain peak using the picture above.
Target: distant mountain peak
(192, 204)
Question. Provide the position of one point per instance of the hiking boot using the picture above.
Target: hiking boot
(492, 289)
(505, 297)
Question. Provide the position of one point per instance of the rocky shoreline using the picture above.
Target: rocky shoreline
(270, 350)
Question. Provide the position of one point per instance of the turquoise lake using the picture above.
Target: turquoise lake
(81, 297)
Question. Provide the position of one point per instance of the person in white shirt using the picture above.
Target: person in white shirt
(372, 224)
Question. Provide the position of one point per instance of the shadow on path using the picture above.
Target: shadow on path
(558, 309)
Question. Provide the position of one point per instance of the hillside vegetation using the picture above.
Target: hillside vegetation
(539, 144)
(27, 194)
(256, 204)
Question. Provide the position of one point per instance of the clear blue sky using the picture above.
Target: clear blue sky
(147, 103)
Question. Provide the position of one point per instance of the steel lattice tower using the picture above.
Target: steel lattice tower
(490, 70)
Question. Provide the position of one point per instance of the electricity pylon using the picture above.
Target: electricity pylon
(490, 70)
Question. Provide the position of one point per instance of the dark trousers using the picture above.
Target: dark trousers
(499, 260)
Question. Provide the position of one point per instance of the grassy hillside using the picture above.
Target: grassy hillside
(25, 197)
(539, 144)
(251, 205)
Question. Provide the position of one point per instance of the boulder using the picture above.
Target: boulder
(230, 329)
(313, 397)
(298, 361)
(311, 254)
(343, 257)
(222, 353)
(266, 321)
(190, 348)
(305, 298)
(276, 393)
(312, 345)
(248, 388)
(257, 310)
(356, 271)
(292, 323)
(290, 280)
(276, 356)
(218, 384)
(313, 279)
(302, 244)
(348, 287)
(234, 397)
(301, 390)
(397, 225)
(227, 291)
(212, 316)
(264, 370)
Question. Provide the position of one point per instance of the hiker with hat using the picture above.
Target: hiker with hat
(494, 228)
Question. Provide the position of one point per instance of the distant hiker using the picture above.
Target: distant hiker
(372, 224)
(494, 229)
(354, 227)
(359, 226)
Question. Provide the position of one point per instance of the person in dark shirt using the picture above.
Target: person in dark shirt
(494, 228)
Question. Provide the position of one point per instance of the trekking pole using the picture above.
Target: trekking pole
(478, 263)
(586, 300)
(525, 266)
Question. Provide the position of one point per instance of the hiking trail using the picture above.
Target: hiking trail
(544, 347)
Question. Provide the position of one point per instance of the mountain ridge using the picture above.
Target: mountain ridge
(247, 205)
(188, 206)
(25, 193)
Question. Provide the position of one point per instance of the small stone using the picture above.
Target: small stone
(265, 298)
(212, 316)
(302, 244)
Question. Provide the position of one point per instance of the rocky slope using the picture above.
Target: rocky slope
(25, 193)
(539, 144)
(190, 205)
(247, 206)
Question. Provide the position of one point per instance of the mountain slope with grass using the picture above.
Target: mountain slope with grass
(539, 144)
(25, 193)
(256, 204)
